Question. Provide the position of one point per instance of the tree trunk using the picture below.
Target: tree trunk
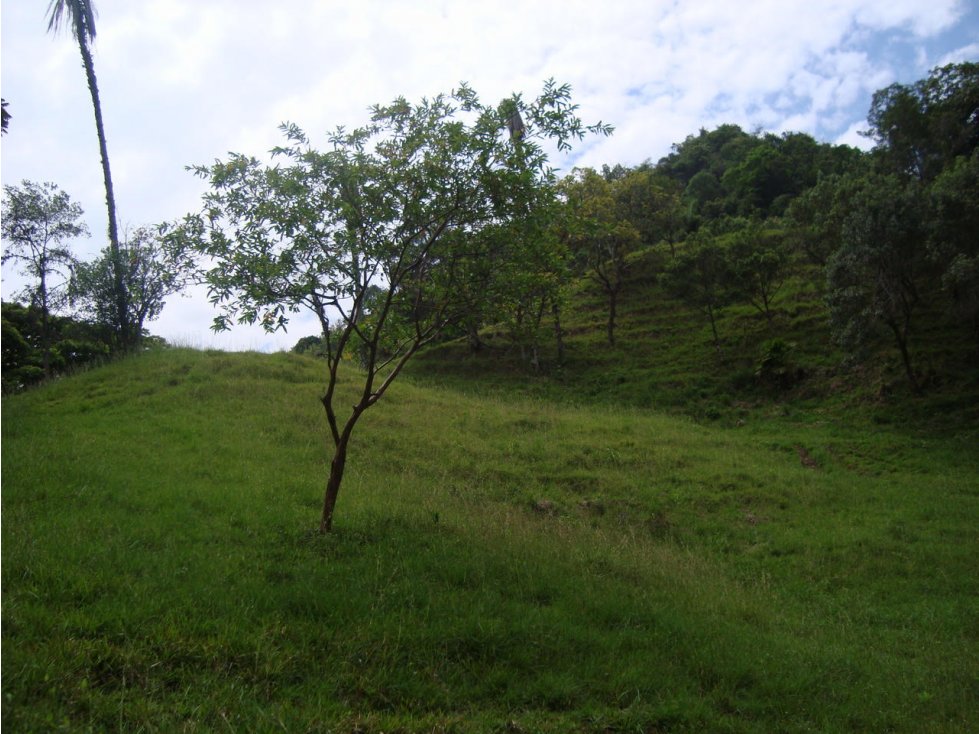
(341, 441)
(713, 328)
(558, 334)
(333, 484)
(472, 335)
(121, 296)
(612, 303)
(45, 324)
(902, 345)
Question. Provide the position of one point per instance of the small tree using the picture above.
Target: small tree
(38, 220)
(874, 277)
(758, 265)
(379, 235)
(701, 276)
(598, 236)
(147, 277)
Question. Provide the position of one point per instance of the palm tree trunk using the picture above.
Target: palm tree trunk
(121, 297)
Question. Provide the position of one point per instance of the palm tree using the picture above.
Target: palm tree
(79, 16)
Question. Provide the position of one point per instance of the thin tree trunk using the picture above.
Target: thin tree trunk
(713, 327)
(45, 324)
(902, 345)
(126, 339)
(472, 335)
(612, 303)
(558, 334)
(333, 484)
(341, 442)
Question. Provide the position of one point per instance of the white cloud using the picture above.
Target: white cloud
(959, 55)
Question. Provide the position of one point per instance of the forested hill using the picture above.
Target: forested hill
(748, 269)
(741, 270)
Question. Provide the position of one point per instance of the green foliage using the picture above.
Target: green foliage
(816, 217)
(875, 279)
(599, 232)
(63, 343)
(37, 223)
(386, 235)
(776, 367)
(921, 128)
(954, 222)
(759, 261)
(148, 278)
(311, 345)
(702, 275)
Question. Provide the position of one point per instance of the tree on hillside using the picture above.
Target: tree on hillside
(34, 347)
(38, 221)
(954, 224)
(598, 236)
(712, 152)
(874, 279)
(651, 202)
(758, 265)
(922, 127)
(701, 276)
(147, 277)
(815, 219)
(79, 17)
(378, 235)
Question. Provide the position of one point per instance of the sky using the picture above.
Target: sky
(184, 82)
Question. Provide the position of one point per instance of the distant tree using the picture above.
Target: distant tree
(598, 235)
(377, 235)
(148, 277)
(529, 272)
(38, 222)
(701, 276)
(651, 202)
(312, 345)
(704, 196)
(79, 17)
(954, 242)
(815, 218)
(758, 265)
(711, 152)
(874, 278)
(4, 116)
(922, 127)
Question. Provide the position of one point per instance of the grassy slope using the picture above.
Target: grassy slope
(501, 563)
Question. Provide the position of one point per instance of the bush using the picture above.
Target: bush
(776, 368)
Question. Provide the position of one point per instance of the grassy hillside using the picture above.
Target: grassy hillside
(500, 563)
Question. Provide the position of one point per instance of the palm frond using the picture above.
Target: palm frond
(78, 14)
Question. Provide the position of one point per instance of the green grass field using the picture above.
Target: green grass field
(501, 562)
